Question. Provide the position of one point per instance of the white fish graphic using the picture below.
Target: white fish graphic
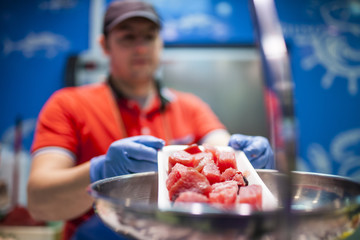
(57, 4)
(49, 42)
(344, 149)
(201, 24)
(334, 47)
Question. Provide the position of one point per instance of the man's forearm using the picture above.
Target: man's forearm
(219, 137)
(59, 194)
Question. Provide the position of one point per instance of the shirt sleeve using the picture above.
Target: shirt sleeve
(56, 126)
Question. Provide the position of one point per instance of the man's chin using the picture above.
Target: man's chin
(142, 74)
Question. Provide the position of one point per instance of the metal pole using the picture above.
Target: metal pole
(97, 8)
(278, 83)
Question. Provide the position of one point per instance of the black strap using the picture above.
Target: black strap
(163, 100)
(119, 95)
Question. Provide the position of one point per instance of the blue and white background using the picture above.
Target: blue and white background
(324, 45)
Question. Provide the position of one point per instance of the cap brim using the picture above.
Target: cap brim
(142, 14)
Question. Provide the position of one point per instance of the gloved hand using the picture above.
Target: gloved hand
(256, 148)
(125, 156)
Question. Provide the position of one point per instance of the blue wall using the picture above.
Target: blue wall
(205, 22)
(36, 39)
(323, 39)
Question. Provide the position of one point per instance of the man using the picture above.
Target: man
(92, 132)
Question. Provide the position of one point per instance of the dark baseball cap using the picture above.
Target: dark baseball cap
(119, 11)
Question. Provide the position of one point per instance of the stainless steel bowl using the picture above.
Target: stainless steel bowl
(323, 207)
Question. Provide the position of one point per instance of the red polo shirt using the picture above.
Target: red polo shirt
(86, 120)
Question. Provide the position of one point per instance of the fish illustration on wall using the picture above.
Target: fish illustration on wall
(343, 150)
(44, 42)
(57, 4)
(199, 24)
(334, 47)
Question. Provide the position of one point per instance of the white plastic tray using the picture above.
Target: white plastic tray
(269, 201)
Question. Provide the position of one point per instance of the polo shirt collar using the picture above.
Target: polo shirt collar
(158, 101)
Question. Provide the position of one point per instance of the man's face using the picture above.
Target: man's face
(134, 47)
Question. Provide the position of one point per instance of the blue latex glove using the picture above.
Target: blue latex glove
(125, 156)
(256, 148)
